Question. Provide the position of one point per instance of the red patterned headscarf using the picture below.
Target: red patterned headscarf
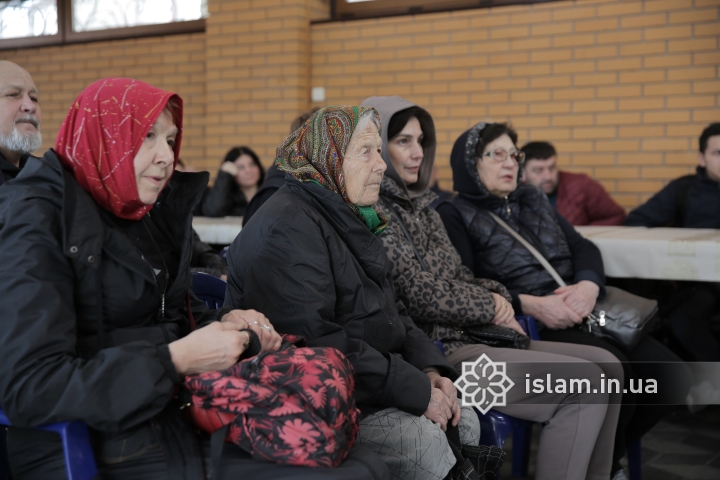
(102, 134)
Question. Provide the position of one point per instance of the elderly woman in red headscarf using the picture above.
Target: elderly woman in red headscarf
(97, 313)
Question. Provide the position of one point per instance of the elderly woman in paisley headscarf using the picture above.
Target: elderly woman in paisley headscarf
(95, 243)
(310, 259)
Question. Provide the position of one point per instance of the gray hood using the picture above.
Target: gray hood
(387, 107)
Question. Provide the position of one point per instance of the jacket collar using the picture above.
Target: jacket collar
(702, 174)
(8, 170)
(361, 242)
(391, 191)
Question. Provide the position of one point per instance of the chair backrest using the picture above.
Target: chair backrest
(528, 324)
(209, 289)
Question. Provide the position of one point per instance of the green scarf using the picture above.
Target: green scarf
(372, 220)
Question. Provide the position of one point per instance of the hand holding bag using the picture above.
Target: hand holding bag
(621, 317)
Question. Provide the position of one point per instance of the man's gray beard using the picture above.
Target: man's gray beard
(19, 143)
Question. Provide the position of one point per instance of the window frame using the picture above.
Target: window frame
(343, 11)
(66, 35)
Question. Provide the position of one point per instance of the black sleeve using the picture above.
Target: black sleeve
(457, 232)
(274, 271)
(257, 201)
(205, 258)
(218, 201)
(586, 257)
(43, 380)
(659, 211)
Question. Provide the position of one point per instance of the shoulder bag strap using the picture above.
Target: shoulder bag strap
(407, 234)
(532, 250)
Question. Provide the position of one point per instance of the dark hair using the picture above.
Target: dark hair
(298, 122)
(538, 151)
(237, 152)
(492, 132)
(710, 131)
(401, 118)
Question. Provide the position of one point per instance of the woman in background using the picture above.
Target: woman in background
(237, 182)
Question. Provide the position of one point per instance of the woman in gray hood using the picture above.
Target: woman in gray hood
(442, 296)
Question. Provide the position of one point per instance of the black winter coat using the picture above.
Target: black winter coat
(698, 195)
(274, 179)
(492, 252)
(81, 336)
(314, 269)
(224, 199)
(8, 171)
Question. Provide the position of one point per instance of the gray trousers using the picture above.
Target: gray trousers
(578, 438)
(415, 448)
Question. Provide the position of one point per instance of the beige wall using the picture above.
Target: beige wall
(622, 87)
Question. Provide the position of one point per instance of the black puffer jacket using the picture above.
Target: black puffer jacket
(81, 337)
(690, 202)
(314, 269)
(491, 252)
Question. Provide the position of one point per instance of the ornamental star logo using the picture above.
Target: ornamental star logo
(484, 384)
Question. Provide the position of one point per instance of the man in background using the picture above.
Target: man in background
(692, 201)
(19, 119)
(578, 198)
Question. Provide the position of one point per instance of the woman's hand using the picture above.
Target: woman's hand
(504, 312)
(258, 323)
(581, 297)
(439, 409)
(214, 347)
(447, 387)
(229, 167)
(551, 310)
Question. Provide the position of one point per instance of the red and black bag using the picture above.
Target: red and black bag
(293, 406)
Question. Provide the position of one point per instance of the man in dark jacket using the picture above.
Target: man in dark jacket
(692, 201)
(578, 198)
(19, 119)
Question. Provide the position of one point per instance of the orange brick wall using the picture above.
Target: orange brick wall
(175, 63)
(622, 88)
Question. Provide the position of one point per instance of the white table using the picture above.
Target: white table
(219, 231)
(658, 253)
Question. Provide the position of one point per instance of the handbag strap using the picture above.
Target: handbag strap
(538, 256)
(407, 234)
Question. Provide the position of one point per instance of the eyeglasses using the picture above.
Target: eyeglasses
(499, 155)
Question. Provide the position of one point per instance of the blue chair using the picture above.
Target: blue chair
(79, 459)
(209, 289)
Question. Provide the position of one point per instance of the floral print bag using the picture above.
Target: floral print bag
(292, 406)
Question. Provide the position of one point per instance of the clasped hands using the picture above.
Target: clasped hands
(443, 406)
(566, 307)
(218, 346)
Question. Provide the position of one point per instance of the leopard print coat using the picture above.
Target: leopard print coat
(445, 296)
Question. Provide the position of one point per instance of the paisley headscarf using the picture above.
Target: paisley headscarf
(315, 153)
(102, 134)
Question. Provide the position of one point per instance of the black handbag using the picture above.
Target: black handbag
(495, 336)
(487, 333)
(621, 317)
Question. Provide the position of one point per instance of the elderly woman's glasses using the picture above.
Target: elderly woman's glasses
(499, 155)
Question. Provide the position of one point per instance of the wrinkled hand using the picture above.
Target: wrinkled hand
(214, 347)
(446, 386)
(258, 323)
(504, 312)
(581, 297)
(439, 410)
(551, 310)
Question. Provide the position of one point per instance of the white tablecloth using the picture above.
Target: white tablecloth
(220, 231)
(658, 253)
